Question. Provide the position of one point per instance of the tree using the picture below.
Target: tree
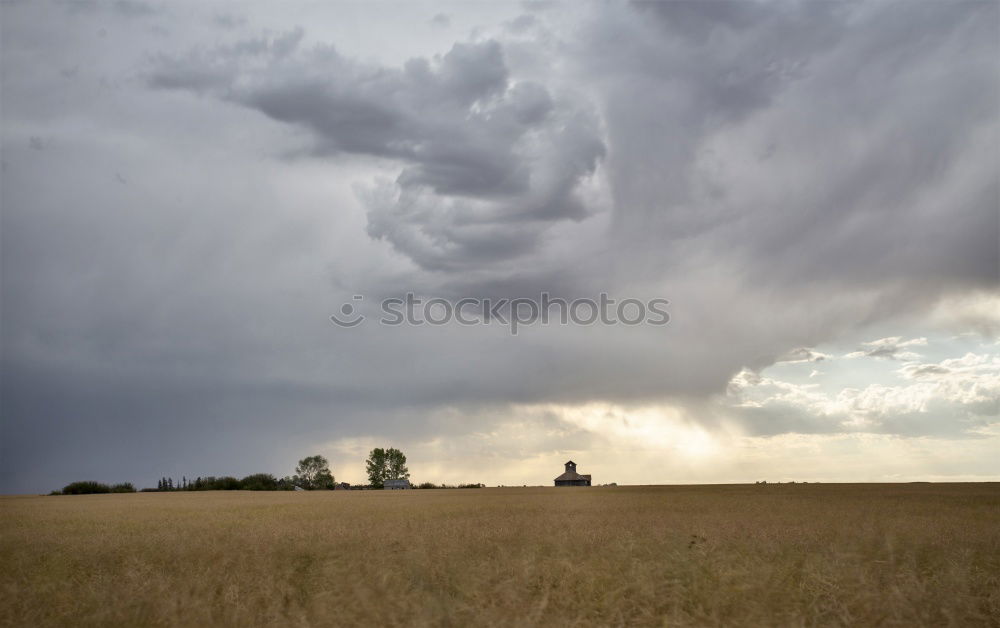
(375, 467)
(397, 465)
(386, 464)
(313, 473)
(85, 488)
(259, 482)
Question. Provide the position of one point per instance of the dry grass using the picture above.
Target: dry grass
(919, 554)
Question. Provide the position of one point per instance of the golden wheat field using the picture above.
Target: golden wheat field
(754, 555)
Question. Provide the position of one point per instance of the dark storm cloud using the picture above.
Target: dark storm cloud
(840, 142)
(488, 161)
(785, 173)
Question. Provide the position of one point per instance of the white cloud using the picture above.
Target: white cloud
(953, 396)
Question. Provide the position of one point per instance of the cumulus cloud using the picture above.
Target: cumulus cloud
(487, 162)
(956, 396)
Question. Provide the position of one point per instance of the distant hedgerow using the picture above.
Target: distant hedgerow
(85, 488)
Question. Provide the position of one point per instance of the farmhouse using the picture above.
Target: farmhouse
(571, 478)
(395, 485)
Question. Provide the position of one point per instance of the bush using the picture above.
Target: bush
(85, 488)
(228, 483)
(259, 482)
(124, 487)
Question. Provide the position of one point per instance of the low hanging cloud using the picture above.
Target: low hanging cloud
(487, 162)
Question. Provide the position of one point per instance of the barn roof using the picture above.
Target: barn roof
(571, 475)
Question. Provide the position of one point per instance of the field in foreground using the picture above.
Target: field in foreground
(907, 554)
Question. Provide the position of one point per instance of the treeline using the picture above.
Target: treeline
(254, 482)
(312, 473)
(266, 482)
(88, 487)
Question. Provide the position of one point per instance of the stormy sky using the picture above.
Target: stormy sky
(191, 190)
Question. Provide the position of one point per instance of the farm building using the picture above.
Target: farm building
(395, 485)
(571, 478)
